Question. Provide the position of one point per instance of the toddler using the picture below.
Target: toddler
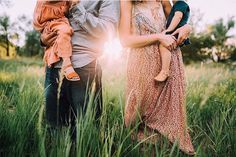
(178, 17)
(50, 16)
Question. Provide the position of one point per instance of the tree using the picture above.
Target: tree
(7, 33)
(220, 31)
(32, 45)
(11, 32)
(220, 34)
(199, 40)
(197, 50)
(4, 30)
(210, 42)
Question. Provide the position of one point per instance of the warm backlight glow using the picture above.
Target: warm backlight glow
(113, 49)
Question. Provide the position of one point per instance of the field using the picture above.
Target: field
(211, 108)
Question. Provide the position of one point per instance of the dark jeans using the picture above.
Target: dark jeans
(63, 108)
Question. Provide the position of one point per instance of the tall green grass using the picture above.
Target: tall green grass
(211, 108)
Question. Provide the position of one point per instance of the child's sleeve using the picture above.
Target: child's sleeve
(182, 7)
(36, 17)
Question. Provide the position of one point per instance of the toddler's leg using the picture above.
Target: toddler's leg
(69, 71)
(65, 51)
(65, 54)
(165, 64)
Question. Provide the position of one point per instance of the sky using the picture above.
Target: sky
(211, 9)
(214, 9)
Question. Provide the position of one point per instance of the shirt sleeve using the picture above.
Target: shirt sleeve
(182, 7)
(102, 25)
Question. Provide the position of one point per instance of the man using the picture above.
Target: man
(94, 22)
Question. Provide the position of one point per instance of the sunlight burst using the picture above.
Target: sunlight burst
(113, 49)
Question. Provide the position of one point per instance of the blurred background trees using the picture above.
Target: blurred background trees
(18, 37)
(5, 34)
(32, 45)
(212, 43)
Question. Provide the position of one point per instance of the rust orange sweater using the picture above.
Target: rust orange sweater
(50, 17)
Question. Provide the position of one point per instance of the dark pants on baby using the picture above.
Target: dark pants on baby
(63, 108)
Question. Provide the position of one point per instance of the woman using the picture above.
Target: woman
(159, 106)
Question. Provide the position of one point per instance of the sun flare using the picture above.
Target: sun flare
(113, 49)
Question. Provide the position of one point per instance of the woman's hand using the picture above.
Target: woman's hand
(183, 32)
(48, 39)
(168, 41)
(164, 32)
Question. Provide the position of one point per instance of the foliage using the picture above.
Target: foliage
(7, 33)
(195, 51)
(210, 42)
(233, 54)
(32, 45)
(220, 31)
(11, 33)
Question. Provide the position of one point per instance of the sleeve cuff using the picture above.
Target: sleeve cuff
(80, 8)
(42, 44)
(78, 12)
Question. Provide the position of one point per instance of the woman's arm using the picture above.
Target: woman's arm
(131, 40)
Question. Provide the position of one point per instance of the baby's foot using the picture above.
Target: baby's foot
(162, 76)
(70, 73)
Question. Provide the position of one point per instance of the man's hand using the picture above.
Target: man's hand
(183, 33)
(48, 39)
(164, 32)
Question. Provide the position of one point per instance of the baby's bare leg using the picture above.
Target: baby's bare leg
(65, 51)
(69, 71)
(66, 61)
(165, 58)
(165, 64)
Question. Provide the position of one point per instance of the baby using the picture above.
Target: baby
(50, 16)
(178, 17)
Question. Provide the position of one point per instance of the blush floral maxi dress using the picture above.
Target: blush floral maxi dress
(160, 106)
